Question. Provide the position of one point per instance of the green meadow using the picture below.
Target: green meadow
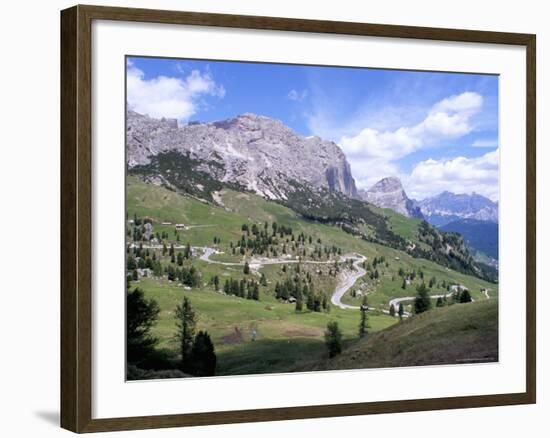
(284, 336)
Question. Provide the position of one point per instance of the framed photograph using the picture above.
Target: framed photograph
(270, 218)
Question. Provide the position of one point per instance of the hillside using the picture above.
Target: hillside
(460, 333)
(205, 220)
(480, 235)
(188, 175)
(285, 336)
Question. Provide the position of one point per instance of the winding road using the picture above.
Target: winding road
(347, 281)
(347, 278)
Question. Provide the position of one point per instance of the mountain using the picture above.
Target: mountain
(256, 152)
(480, 235)
(389, 193)
(448, 207)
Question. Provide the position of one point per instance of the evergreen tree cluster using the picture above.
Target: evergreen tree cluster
(303, 291)
(197, 353)
(271, 240)
(189, 276)
(249, 289)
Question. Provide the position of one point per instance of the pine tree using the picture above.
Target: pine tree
(364, 322)
(401, 311)
(333, 339)
(131, 263)
(404, 285)
(216, 281)
(246, 269)
(465, 296)
(186, 321)
(141, 315)
(256, 292)
(203, 355)
(299, 302)
(324, 304)
(392, 310)
(439, 302)
(241, 289)
(422, 302)
(310, 304)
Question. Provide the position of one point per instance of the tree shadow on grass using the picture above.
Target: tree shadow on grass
(268, 356)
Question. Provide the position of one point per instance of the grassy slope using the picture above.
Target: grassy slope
(162, 204)
(455, 334)
(277, 324)
(399, 224)
(283, 336)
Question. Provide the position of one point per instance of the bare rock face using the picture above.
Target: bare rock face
(389, 193)
(257, 152)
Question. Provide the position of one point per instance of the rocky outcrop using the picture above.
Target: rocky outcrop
(389, 193)
(257, 152)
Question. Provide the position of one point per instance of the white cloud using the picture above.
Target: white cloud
(170, 97)
(373, 152)
(297, 96)
(457, 175)
(485, 143)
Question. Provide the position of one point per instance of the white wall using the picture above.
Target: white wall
(29, 217)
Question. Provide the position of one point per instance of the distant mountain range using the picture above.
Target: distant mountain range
(448, 207)
(473, 216)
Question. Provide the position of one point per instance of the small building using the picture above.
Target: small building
(180, 227)
(166, 223)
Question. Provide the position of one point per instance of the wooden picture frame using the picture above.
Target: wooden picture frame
(76, 217)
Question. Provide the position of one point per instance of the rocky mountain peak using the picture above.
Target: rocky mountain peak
(257, 152)
(251, 122)
(387, 185)
(389, 193)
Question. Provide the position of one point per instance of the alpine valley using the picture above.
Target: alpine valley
(264, 232)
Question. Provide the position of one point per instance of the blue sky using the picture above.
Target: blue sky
(436, 131)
